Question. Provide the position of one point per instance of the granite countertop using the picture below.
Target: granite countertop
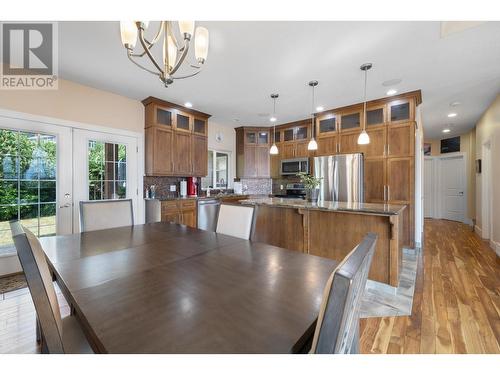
(372, 208)
(216, 196)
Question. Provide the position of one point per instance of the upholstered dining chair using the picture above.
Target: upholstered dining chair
(235, 220)
(337, 329)
(106, 214)
(58, 335)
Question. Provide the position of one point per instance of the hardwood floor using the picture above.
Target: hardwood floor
(456, 308)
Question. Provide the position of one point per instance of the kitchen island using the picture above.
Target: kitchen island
(332, 230)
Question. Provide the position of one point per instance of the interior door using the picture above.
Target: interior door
(452, 176)
(104, 167)
(429, 187)
(35, 178)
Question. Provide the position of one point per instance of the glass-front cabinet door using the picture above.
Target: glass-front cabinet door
(250, 137)
(163, 117)
(288, 135)
(400, 111)
(182, 122)
(200, 126)
(350, 121)
(263, 137)
(375, 116)
(301, 132)
(326, 125)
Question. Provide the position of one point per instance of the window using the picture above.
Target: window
(218, 170)
(107, 170)
(27, 183)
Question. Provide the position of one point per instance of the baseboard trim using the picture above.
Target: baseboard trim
(478, 231)
(496, 247)
(469, 222)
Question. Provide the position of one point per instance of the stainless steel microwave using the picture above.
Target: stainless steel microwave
(294, 166)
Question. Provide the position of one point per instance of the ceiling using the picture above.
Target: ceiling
(248, 61)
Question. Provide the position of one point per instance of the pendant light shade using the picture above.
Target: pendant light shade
(274, 149)
(312, 145)
(364, 138)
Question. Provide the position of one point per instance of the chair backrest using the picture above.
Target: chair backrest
(96, 215)
(39, 279)
(235, 220)
(337, 329)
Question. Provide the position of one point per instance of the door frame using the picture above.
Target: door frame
(486, 191)
(438, 199)
(47, 121)
(434, 188)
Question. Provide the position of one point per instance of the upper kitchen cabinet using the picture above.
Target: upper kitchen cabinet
(376, 116)
(326, 125)
(175, 139)
(350, 121)
(252, 152)
(401, 110)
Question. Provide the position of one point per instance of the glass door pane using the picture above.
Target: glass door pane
(28, 164)
(221, 170)
(107, 170)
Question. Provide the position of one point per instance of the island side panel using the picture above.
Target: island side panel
(279, 226)
(334, 234)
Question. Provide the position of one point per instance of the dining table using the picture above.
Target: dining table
(168, 288)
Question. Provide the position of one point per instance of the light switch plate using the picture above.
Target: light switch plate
(173, 188)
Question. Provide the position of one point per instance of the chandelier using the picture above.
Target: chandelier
(174, 54)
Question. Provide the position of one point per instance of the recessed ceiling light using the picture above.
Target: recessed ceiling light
(273, 119)
(446, 130)
(455, 104)
(392, 82)
(319, 108)
(188, 104)
(452, 114)
(392, 92)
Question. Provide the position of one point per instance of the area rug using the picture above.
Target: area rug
(10, 283)
(380, 300)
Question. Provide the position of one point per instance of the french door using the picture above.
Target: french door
(35, 178)
(104, 167)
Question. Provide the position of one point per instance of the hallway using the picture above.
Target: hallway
(456, 307)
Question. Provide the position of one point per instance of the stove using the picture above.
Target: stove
(295, 190)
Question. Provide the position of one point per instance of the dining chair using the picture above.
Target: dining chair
(235, 220)
(105, 214)
(58, 335)
(337, 329)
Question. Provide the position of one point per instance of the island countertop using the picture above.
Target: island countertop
(355, 207)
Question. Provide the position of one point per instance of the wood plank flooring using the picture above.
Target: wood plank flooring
(456, 307)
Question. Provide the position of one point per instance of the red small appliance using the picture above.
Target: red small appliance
(192, 186)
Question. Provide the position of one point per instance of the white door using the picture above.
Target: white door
(452, 177)
(105, 167)
(429, 187)
(35, 178)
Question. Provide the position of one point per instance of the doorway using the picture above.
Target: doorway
(486, 186)
(445, 187)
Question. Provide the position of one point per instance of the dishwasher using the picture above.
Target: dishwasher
(208, 211)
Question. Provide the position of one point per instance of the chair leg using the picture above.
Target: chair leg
(38, 331)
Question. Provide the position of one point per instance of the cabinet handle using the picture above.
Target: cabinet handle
(388, 150)
(385, 196)
(388, 193)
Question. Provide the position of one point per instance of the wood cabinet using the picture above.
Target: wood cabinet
(327, 146)
(180, 212)
(401, 139)
(175, 140)
(252, 152)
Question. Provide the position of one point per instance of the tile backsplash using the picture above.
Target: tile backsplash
(162, 186)
(256, 186)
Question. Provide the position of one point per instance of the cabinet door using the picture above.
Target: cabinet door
(327, 146)
(250, 137)
(183, 122)
(262, 161)
(348, 142)
(161, 154)
(188, 217)
(374, 180)
(158, 116)
(200, 126)
(275, 162)
(301, 150)
(301, 133)
(250, 161)
(200, 155)
(376, 147)
(375, 116)
(288, 150)
(401, 111)
(263, 138)
(350, 121)
(400, 140)
(182, 154)
(288, 135)
(326, 125)
(399, 180)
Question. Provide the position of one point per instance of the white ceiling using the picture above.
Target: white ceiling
(249, 60)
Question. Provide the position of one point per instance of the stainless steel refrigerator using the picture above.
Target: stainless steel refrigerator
(342, 177)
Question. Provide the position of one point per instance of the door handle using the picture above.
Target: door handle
(66, 205)
(460, 193)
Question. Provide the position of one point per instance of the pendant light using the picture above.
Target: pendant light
(274, 149)
(364, 138)
(313, 145)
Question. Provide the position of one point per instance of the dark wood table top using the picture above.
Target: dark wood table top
(167, 288)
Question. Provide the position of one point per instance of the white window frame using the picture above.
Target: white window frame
(213, 183)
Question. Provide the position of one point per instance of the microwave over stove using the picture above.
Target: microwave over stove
(294, 166)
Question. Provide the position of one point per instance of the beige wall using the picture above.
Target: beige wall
(75, 102)
(488, 129)
(467, 145)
